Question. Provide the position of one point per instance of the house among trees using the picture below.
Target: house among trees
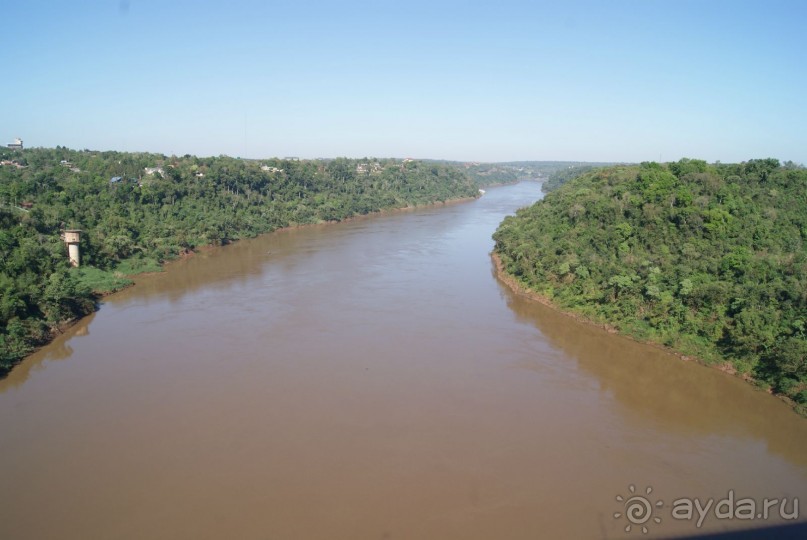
(10, 163)
(16, 145)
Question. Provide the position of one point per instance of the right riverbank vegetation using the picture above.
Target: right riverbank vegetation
(137, 210)
(707, 259)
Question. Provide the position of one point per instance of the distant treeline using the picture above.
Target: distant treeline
(710, 260)
(139, 209)
(492, 174)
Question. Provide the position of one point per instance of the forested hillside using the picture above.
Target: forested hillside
(137, 210)
(707, 259)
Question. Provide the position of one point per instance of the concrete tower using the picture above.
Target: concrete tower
(72, 238)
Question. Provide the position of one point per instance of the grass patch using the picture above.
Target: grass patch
(99, 281)
(108, 281)
(137, 265)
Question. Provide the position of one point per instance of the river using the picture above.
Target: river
(371, 380)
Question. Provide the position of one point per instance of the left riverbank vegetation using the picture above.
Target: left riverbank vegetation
(138, 210)
(708, 259)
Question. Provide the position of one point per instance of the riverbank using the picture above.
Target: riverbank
(113, 282)
(382, 212)
(298, 226)
(726, 367)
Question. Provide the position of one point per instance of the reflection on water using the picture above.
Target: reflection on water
(673, 394)
(370, 379)
(58, 349)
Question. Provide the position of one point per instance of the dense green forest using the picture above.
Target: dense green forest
(493, 174)
(137, 210)
(707, 259)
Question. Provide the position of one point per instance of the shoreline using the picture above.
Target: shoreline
(376, 213)
(189, 253)
(725, 366)
(61, 327)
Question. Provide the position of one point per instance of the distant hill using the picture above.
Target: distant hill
(710, 260)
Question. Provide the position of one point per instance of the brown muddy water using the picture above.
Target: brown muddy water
(372, 380)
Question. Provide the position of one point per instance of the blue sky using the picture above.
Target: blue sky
(492, 81)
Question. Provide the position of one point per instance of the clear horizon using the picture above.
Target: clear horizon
(583, 81)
